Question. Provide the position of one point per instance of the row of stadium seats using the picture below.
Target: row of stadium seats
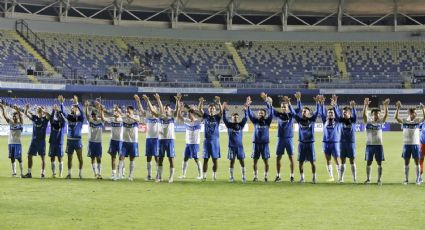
(12, 56)
(284, 62)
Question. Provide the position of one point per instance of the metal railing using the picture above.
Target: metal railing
(39, 44)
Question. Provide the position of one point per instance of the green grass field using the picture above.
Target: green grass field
(191, 204)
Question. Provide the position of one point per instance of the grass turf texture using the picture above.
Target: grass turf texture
(191, 204)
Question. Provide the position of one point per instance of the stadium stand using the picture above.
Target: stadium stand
(298, 64)
(14, 59)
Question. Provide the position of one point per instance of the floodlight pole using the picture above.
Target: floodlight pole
(64, 6)
(285, 13)
(340, 13)
(395, 15)
(9, 8)
(230, 14)
(118, 9)
(175, 11)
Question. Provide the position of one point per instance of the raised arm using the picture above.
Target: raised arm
(158, 100)
(179, 102)
(201, 105)
(179, 112)
(81, 117)
(250, 113)
(386, 103)
(322, 111)
(422, 108)
(27, 112)
(397, 112)
(269, 117)
(225, 119)
(365, 108)
(299, 104)
(220, 106)
(150, 106)
(4, 113)
(61, 100)
(318, 105)
(353, 111)
(334, 103)
(101, 109)
(139, 105)
(86, 109)
(245, 117)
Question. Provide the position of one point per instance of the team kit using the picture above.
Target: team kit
(338, 137)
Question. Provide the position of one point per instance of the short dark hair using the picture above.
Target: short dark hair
(191, 111)
(307, 108)
(263, 110)
(235, 114)
(130, 107)
(412, 110)
(346, 108)
(211, 105)
(375, 110)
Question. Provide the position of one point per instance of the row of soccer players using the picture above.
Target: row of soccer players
(338, 139)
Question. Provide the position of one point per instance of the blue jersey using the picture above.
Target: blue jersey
(285, 122)
(422, 134)
(331, 127)
(57, 128)
(75, 123)
(39, 126)
(211, 123)
(235, 130)
(306, 125)
(348, 130)
(261, 126)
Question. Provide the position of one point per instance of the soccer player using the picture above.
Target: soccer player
(235, 132)
(260, 138)
(57, 133)
(193, 139)
(285, 134)
(15, 146)
(38, 141)
(152, 132)
(374, 146)
(410, 139)
(306, 122)
(211, 147)
(130, 146)
(75, 124)
(331, 136)
(115, 144)
(96, 123)
(348, 135)
(166, 135)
